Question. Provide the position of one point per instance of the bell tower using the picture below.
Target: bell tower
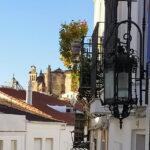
(33, 73)
(33, 78)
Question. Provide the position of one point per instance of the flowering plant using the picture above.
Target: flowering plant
(68, 33)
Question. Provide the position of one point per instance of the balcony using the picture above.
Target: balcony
(91, 66)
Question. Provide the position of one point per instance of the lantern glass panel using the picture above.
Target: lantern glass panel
(123, 85)
(109, 84)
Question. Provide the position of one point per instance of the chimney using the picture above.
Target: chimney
(29, 93)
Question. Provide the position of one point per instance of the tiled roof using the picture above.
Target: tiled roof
(31, 117)
(40, 101)
(21, 105)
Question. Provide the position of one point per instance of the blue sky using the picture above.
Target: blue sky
(29, 34)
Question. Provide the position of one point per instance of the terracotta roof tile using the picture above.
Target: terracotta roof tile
(40, 101)
(21, 105)
(31, 117)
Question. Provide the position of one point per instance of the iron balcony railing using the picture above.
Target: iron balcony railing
(97, 78)
(80, 140)
(91, 65)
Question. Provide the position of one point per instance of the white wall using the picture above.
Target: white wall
(12, 127)
(99, 15)
(16, 127)
(96, 11)
(122, 139)
(10, 122)
(61, 135)
(65, 138)
(19, 137)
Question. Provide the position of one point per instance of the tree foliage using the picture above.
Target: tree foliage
(68, 33)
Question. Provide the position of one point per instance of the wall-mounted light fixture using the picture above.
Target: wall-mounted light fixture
(120, 67)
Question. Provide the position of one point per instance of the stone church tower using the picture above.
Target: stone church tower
(33, 78)
(33, 74)
(54, 83)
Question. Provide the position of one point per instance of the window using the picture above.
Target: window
(140, 141)
(1, 144)
(68, 109)
(49, 144)
(13, 145)
(37, 144)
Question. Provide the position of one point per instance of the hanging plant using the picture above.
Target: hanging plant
(69, 33)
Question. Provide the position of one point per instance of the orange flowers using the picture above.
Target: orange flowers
(69, 32)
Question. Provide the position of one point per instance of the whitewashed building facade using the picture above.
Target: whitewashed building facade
(105, 132)
(25, 127)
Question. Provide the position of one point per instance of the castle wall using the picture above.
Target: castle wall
(58, 83)
(68, 81)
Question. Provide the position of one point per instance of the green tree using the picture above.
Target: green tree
(68, 33)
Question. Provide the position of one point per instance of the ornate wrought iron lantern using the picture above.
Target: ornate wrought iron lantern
(120, 66)
(118, 69)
